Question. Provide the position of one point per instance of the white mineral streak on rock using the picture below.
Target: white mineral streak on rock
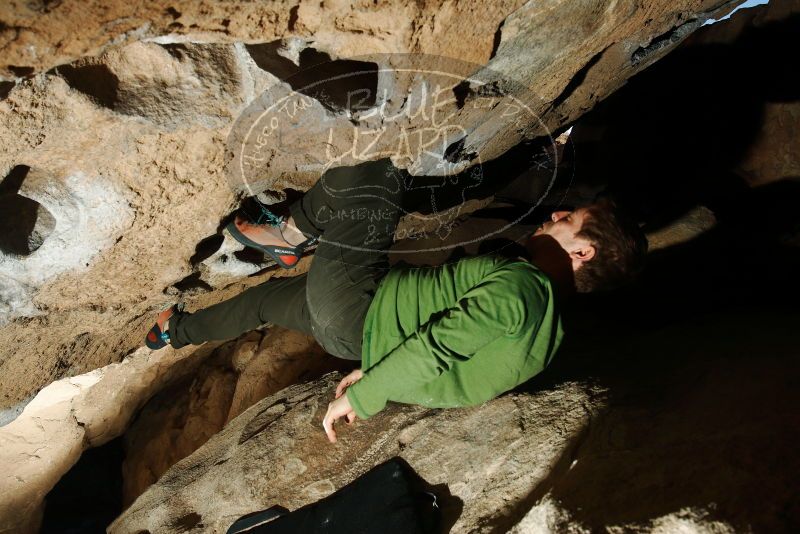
(69, 416)
(547, 517)
(685, 521)
(222, 266)
(15, 298)
(90, 212)
(691, 225)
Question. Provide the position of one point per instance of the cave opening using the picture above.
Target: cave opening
(89, 496)
(24, 223)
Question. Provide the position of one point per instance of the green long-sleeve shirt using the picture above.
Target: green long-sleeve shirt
(455, 335)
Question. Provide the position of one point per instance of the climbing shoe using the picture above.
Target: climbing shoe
(158, 337)
(285, 256)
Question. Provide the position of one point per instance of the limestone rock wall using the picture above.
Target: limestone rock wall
(40, 35)
(129, 107)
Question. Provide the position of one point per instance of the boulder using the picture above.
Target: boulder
(490, 458)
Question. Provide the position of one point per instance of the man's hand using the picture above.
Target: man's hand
(348, 381)
(338, 408)
(341, 406)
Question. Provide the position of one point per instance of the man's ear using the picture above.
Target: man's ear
(584, 253)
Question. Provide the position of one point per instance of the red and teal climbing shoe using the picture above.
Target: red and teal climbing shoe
(157, 337)
(285, 256)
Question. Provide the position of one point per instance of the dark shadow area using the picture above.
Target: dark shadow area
(43, 6)
(700, 362)
(466, 90)
(699, 357)
(24, 223)
(340, 84)
(670, 138)
(89, 497)
(250, 255)
(666, 39)
(528, 161)
(95, 81)
(22, 71)
(13, 181)
(206, 248)
(192, 284)
(5, 88)
(706, 343)
(577, 80)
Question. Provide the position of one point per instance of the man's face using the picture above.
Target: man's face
(563, 227)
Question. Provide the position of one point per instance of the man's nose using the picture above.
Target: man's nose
(558, 215)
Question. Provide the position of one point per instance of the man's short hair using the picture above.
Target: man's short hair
(620, 248)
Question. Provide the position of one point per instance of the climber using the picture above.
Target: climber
(453, 335)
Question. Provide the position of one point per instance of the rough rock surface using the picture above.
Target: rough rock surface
(71, 415)
(197, 391)
(40, 35)
(688, 432)
(726, 123)
(145, 107)
(696, 422)
(276, 453)
(181, 418)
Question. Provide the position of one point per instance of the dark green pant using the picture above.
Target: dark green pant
(353, 211)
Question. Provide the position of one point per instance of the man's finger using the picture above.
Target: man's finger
(341, 387)
(351, 417)
(327, 424)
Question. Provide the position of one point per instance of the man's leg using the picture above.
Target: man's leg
(280, 301)
(354, 212)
